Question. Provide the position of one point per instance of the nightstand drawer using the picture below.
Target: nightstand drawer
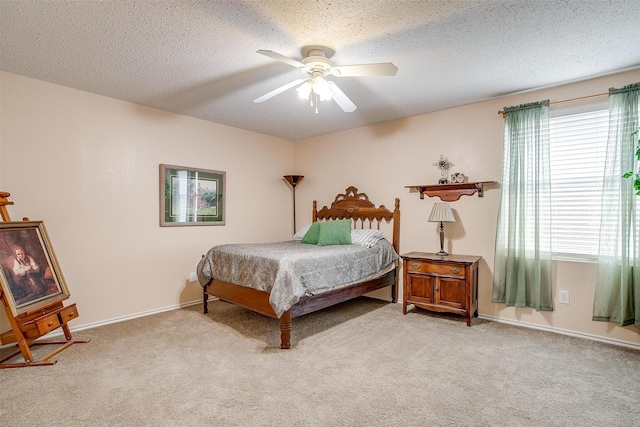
(441, 269)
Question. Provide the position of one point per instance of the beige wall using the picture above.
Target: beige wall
(381, 160)
(88, 166)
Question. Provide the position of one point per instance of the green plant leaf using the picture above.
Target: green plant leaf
(636, 181)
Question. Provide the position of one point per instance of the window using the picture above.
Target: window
(578, 144)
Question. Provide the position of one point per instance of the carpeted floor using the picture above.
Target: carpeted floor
(361, 363)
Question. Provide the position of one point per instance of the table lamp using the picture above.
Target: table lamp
(441, 213)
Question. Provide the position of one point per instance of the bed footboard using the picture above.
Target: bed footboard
(251, 299)
(258, 301)
(352, 204)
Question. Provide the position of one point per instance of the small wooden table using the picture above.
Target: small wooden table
(441, 283)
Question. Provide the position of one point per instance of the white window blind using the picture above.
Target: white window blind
(578, 145)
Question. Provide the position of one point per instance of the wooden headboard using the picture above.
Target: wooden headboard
(356, 206)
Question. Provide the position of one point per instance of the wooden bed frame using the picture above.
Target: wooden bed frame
(352, 205)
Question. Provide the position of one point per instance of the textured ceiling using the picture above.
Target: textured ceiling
(198, 58)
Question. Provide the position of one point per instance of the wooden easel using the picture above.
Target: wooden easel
(29, 326)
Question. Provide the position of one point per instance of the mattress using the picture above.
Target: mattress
(290, 270)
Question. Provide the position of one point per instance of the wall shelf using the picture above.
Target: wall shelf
(451, 192)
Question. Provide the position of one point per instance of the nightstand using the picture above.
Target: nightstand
(441, 283)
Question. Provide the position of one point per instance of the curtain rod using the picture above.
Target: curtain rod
(597, 95)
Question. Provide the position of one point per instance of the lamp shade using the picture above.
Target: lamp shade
(304, 90)
(293, 180)
(441, 212)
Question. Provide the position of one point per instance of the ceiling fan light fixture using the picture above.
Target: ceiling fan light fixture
(316, 65)
(304, 90)
(321, 88)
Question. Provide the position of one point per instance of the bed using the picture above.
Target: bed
(225, 270)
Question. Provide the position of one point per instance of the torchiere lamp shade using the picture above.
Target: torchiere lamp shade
(293, 180)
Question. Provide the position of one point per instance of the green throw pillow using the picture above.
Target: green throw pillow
(335, 233)
(311, 236)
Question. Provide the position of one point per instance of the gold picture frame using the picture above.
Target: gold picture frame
(29, 272)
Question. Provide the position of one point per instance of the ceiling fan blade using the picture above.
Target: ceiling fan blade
(278, 90)
(365, 70)
(285, 59)
(341, 99)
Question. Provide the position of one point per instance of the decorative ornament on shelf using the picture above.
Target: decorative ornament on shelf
(444, 165)
(458, 178)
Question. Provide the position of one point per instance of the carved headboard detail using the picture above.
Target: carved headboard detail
(356, 206)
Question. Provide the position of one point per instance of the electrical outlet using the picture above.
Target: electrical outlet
(563, 297)
(193, 277)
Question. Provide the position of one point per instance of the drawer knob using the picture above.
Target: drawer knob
(415, 265)
(50, 323)
(455, 270)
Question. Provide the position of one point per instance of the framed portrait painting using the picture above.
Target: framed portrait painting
(29, 272)
(190, 196)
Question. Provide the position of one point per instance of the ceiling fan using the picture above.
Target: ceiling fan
(317, 66)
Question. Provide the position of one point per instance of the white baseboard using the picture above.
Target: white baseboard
(59, 332)
(132, 316)
(562, 332)
(480, 316)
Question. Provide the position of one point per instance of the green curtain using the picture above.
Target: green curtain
(522, 266)
(617, 295)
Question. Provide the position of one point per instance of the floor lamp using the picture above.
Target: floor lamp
(441, 213)
(294, 180)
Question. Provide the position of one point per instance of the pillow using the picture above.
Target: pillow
(301, 232)
(335, 233)
(312, 234)
(366, 238)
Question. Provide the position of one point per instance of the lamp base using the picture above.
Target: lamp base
(442, 253)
